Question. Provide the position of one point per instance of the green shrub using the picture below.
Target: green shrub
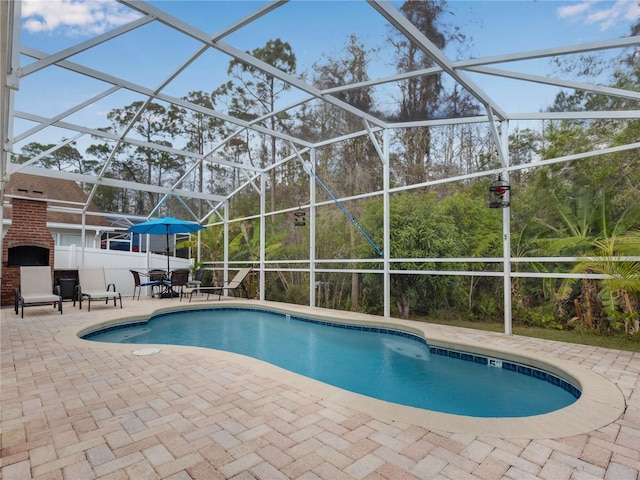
(538, 318)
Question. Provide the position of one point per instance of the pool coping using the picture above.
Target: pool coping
(600, 403)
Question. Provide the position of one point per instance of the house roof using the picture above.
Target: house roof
(58, 193)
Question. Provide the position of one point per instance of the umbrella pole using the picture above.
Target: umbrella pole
(168, 264)
(169, 292)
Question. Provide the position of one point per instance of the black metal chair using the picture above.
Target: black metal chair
(138, 284)
(174, 287)
(196, 281)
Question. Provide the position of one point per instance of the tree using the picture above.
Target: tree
(587, 231)
(353, 166)
(619, 293)
(420, 97)
(479, 234)
(420, 229)
(264, 90)
(593, 197)
(524, 147)
(154, 125)
(201, 130)
(65, 158)
(110, 199)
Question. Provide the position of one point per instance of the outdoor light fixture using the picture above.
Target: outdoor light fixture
(499, 193)
(299, 218)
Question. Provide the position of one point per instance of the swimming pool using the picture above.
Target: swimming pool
(382, 363)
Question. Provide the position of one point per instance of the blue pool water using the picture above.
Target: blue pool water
(380, 363)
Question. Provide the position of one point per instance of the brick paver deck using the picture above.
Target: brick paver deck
(81, 410)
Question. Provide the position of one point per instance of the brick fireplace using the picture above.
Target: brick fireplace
(27, 241)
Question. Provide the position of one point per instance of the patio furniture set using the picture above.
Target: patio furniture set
(36, 281)
(177, 284)
(36, 286)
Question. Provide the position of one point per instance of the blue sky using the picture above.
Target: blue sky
(313, 28)
(568, 21)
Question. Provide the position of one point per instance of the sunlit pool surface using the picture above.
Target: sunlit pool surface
(381, 363)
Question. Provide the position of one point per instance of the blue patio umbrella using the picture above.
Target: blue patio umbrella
(165, 226)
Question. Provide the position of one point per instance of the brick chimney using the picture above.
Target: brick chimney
(27, 241)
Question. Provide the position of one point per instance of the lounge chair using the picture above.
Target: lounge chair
(36, 288)
(138, 284)
(93, 285)
(237, 284)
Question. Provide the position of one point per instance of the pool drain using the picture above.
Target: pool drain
(146, 351)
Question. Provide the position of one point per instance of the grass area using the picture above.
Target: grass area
(620, 342)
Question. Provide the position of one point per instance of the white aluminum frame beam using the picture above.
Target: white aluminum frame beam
(131, 141)
(110, 182)
(66, 113)
(81, 47)
(146, 91)
(477, 65)
(418, 38)
(244, 57)
(588, 87)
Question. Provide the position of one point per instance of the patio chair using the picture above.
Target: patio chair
(235, 285)
(138, 284)
(93, 285)
(196, 281)
(36, 288)
(177, 283)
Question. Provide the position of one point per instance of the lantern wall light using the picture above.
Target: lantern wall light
(499, 193)
(299, 218)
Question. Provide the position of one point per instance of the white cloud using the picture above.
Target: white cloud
(573, 10)
(604, 14)
(74, 17)
(633, 12)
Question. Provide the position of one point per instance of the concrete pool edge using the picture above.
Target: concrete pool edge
(600, 404)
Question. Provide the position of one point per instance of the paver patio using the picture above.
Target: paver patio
(81, 410)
